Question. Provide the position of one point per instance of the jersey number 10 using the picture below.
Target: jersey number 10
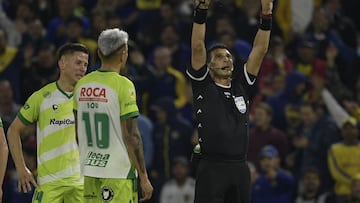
(101, 123)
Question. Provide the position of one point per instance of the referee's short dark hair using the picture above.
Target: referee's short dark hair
(214, 47)
(70, 48)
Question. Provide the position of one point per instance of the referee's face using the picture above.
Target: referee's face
(221, 62)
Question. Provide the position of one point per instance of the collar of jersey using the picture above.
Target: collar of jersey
(63, 92)
(223, 86)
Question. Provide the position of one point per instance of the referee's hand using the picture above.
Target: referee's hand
(203, 4)
(146, 189)
(25, 179)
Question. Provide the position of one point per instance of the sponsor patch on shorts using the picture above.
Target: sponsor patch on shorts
(107, 194)
(90, 196)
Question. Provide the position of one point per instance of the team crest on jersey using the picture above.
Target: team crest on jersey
(46, 94)
(240, 104)
(107, 194)
(55, 108)
(26, 106)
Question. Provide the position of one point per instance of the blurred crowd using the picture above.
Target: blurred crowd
(305, 112)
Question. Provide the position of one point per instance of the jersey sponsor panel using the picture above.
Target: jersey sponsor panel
(100, 99)
(57, 150)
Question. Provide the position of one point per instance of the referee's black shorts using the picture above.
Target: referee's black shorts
(222, 182)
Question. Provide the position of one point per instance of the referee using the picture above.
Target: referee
(221, 104)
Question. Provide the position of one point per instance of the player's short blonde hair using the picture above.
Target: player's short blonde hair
(111, 40)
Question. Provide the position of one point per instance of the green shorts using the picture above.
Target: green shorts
(58, 194)
(110, 190)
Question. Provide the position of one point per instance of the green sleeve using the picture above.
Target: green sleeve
(29, 113)
(127, 99)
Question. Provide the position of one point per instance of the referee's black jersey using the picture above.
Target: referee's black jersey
(222, 113)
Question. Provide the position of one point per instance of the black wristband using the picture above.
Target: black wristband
(200, 15)
(265, 23)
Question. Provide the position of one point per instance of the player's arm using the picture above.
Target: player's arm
(132, 139)
(4, 151)
(198, 50)
(25, 177)
(262, 38)
(76, 126)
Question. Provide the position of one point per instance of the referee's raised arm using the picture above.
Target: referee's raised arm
(262, 38)
(198, 50)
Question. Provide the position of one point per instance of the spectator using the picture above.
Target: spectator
(23, 15)
(247, 15)
(76, 33)
(98, 20)
(263, 133)
(273, 184)
(351, 106)
(311, 182)
(343, 158)
(333, 81)
(32, 40)
(321, 33)
(340, 22)
(11, 59)
(8, 107)
(148, 10)
(168, 82)
(351, 74)
(319, 132)
(138, 70)
(56, 29)
(311, 66)
(293, 17)
(42, 71)
(168, 16)
(180, 51)
(8, 26)
(146, 128)
(181, 187)
(172, 135)
(286, 104)
(276, 64)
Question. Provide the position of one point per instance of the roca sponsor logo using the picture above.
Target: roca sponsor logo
(54, 121)
(93, 92)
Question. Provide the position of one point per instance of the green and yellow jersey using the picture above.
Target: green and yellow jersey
(57, 150)
(101, 100)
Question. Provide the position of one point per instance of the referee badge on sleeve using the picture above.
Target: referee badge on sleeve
(240, 104)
